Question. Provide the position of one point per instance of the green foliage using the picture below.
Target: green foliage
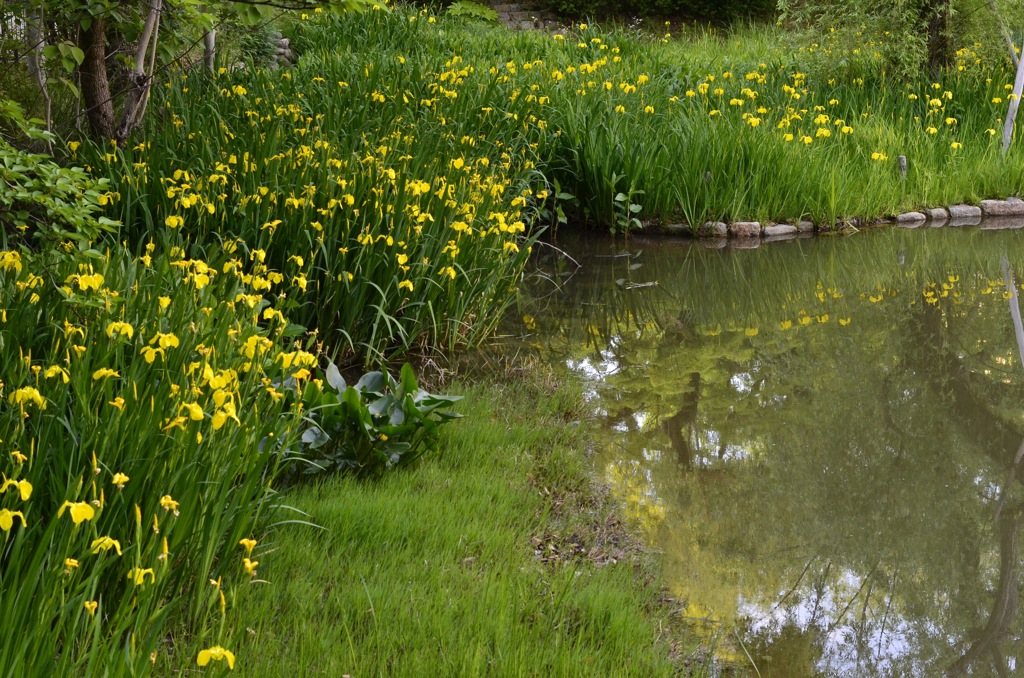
(466, 9)
(251, 45)
(846, 23)
(69, 55)
(625, 209)
(396, 213)
(378, 423)
(718, 11)
(128, 393)
(44, 203)
(432, 570)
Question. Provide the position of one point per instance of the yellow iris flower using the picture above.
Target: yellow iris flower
(24, 487)
(105, 544)
(138, 575)
(7, 519)
(80, 511)
(216, 653)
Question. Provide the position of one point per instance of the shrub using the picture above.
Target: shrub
(378, 423)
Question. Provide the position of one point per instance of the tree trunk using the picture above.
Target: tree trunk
(210, 49)
(34, 60)
(99, 106)
(34, 42)
(141, 77)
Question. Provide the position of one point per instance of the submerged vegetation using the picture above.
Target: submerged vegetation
(162, 364)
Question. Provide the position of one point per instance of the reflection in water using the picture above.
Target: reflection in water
(823, 437)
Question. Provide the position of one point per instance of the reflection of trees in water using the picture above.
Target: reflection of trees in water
(986, 649)
(843, 483)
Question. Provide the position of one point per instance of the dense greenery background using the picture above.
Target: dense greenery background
(700, 10)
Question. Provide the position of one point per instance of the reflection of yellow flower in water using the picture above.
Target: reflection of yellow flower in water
(844, 321)
(785, 324)
(637, 493)
(751, 331)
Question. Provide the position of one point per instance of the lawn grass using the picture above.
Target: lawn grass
(435, 570)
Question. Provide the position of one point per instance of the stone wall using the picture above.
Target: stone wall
(524, 16)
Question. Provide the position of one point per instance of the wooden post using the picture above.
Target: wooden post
(1011, 115)
(903, 166)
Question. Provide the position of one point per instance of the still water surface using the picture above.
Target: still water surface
(823, 437)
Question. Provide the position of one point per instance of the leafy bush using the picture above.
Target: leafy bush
(251, 45)
(41, 200)
(378, 423)
(465, 9)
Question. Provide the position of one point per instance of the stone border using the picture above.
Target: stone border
(989, 215)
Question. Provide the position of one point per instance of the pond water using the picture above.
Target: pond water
(823, 438)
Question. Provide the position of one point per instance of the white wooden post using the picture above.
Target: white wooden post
(1011, 115)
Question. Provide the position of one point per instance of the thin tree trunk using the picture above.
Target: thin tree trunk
(1011, 115)
(150, 70)
(135, 105)
(210, 49)
(99, 106)
(34, 61)
(33, 42)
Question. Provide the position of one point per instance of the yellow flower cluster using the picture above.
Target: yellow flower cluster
(192, 375)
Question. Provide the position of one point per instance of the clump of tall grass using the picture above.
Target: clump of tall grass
(144, 420)
(709, 130)
(391, 185)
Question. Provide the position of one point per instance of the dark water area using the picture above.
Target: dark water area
(823, 438)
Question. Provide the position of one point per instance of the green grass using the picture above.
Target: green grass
(432, 571)
(397, 176)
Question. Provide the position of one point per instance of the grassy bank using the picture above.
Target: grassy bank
(495, 558)
(754, 124)
(378, 199)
